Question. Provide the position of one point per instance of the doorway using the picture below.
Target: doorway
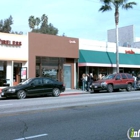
(17, 73)
(67, 76)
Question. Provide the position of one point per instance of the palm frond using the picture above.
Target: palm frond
(105, 1)
(129, 5)
(105, 8)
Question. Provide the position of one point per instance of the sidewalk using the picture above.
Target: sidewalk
(73, 92)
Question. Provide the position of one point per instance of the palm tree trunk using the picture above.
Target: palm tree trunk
(117, 50)
(117, 39)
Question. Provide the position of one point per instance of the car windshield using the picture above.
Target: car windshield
(26, 82)
(111, 76)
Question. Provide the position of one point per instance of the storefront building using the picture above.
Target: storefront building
(13, 58)
(100, 58)
(33, 55)
(53, 56)
(61, 58)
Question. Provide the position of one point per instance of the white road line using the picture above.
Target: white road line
(6, 105)
(31, 137)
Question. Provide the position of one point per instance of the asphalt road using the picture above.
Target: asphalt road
(103, 116)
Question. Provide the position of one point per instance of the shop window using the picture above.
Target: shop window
(103, 71)
(50, 67)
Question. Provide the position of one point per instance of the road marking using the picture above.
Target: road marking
(6, 105)
(31, 137)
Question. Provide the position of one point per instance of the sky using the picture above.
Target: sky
(74, 18)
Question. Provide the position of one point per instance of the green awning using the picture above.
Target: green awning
(88, 56)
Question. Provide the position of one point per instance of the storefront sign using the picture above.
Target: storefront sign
(72, 41)
(129, 52)
(10, 43)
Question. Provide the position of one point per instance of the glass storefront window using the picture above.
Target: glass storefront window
(49, 67)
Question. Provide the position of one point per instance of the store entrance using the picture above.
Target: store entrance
(67, 76)
(17, 73)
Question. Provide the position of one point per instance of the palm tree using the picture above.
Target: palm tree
(107, 5)
(32, 22)
(37, 22)
(44, 18)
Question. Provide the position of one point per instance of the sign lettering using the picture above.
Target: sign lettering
(72, 41)
(129, 52)
(10, 43)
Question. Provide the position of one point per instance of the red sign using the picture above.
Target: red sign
(10, 43)
(129, 52)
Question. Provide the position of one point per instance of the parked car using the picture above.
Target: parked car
(114, 82)
(34, 86)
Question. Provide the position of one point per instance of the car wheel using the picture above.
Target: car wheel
(129, 87)
(109, 88)
(21, 94)
(56, 92)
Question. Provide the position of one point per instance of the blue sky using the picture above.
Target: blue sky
(75, 18)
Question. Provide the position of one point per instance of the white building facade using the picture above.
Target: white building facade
(13, 58)
(99, 57)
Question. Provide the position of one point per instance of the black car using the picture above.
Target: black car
(34, 86)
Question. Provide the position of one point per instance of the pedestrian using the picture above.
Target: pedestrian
(103, 75)
(138, 80)
(95, 78)
(83, 81)
(135, 81)
(99, 76)
(89, 81)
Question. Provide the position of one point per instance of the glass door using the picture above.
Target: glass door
(67, 76)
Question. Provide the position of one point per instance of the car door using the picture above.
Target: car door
(124, 80)
(118, 81)
(36, 87)
(48, 85)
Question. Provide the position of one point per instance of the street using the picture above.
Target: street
(102, 116)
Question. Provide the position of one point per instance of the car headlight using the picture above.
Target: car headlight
(103, 83)
(11, 90)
